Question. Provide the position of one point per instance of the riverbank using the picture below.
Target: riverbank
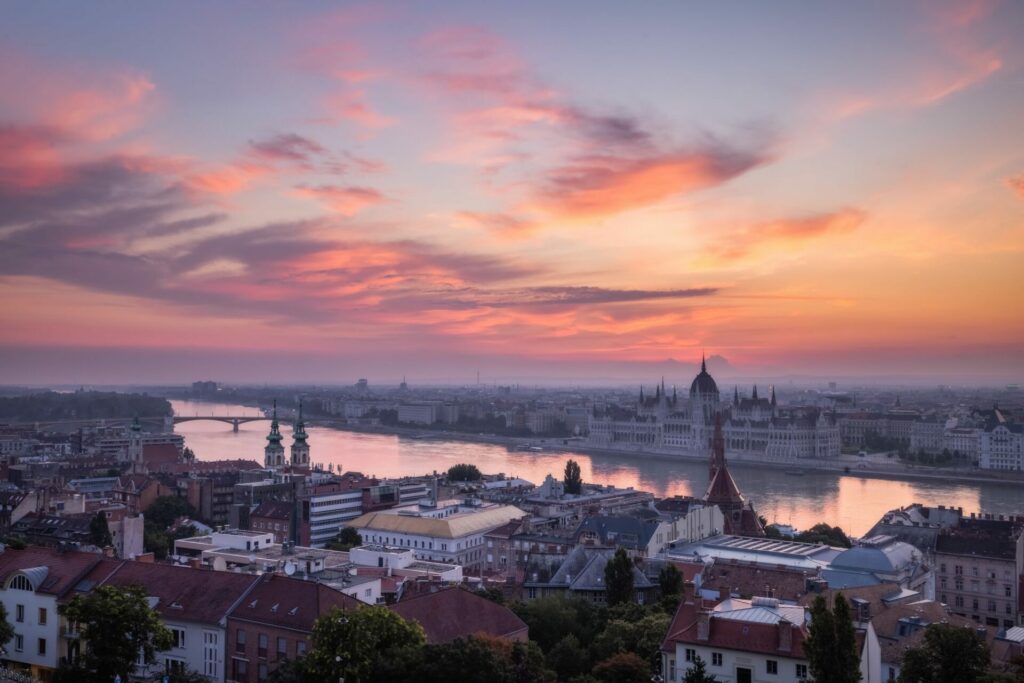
(847, 466)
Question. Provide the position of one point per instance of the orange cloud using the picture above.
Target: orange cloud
(228, 179)
(106, 112)
(786, 233)
(598, 186)
(354, 106)
(1016, 183)
(29, 158)
(348, 201)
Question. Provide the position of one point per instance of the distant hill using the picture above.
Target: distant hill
(81, 405)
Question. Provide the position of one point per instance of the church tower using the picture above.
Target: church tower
(135, 446)
(300, 447)
(273, 454)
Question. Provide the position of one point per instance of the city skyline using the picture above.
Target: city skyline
(310, 194)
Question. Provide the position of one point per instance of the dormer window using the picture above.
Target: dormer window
(21, 583)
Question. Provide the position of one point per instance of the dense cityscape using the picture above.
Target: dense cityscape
(362, 341)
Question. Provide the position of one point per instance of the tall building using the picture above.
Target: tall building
(751, 426)
(273, 453)
(740, 517)
(300, 447)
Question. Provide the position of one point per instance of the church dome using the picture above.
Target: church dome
(703, 383)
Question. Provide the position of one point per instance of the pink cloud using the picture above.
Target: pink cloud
(1016, 183)
(786, 234)
(347, 201)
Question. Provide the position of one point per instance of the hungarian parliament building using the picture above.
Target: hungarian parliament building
(753, 426)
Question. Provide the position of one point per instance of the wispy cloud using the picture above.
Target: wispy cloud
(783, 234)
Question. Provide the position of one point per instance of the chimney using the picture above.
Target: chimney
(703, 625)
(108, 551)
(785, 636)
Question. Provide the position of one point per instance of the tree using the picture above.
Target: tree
(698, 673)
(568, 658)
(6, 630)
(479, 659)
(117, 624)
(552, 618)
(99, 531)
(618, 578)
(464, 472)
(949, 654)
(289, 671)
(823, 533)
(830, 646)
(642, 637)
(347, 539)
(625, 667)
(165, 509)
(358, 637)
(573, 480)
(670, 580)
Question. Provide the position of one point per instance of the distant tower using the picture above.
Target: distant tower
(273, 454)
(300, 449)
(134, 455)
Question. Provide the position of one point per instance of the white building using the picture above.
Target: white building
(428, 413)
(752, 425)
(452, 534)
(1001, 447)
(749, 641)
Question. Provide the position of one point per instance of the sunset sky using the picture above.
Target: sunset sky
(532, 190)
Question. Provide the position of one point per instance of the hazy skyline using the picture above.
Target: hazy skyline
(318, 192)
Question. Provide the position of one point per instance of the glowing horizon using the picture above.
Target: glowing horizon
(588, 189)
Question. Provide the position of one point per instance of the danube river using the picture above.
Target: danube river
(852, 502)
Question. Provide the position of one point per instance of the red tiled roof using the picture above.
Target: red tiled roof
(458, 613)
(290, 603)
(65, 569)
(184, 593)
(735, 635)
(273, 509)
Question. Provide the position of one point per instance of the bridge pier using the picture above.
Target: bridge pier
(234, 426)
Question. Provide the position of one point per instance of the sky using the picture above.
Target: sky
(531, 190)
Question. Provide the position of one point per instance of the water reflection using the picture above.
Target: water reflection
(851, 502)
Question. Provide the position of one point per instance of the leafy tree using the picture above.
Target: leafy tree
(624, 667)
(823, 533)
(289, 671)
(698, 673)
(117, 624)
(642, 637)
(573, 479)
(481, 659)
(358, 637)
(670, 580)
(568, 658)
(494, 594)
(99, 531)
(165, 509)
(830, 648)
(182, 676)
(949, 654)
(464, 472)
(552, 618)
(6, 630)
(618, 578)
(347, 539)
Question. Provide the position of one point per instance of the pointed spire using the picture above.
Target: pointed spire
(754, 396)
(675, 398)
(773, 396)
(641, 393)
(735, 395)
(703, 363)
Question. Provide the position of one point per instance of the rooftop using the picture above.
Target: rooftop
(452, 613)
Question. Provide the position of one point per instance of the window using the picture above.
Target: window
(958, 570)
(240, 669)
(991, 605)
(801, 671)
(772, 666)
(19, 613)
(42, 616)
(691, 655)
(974, 604)
(959, 584)
(300, 648)
(174, 666)
(716, 658)
(261, 673)
(974, 571)
(240, 641)
(959, 601)
(21, 582)
(42, 646)
(1008, 591)
(942, 570)
(179, 637)
(942, 582)
(261, 646)
(19, 642)
(282, 648)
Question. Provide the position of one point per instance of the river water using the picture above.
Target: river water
(852, 502)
